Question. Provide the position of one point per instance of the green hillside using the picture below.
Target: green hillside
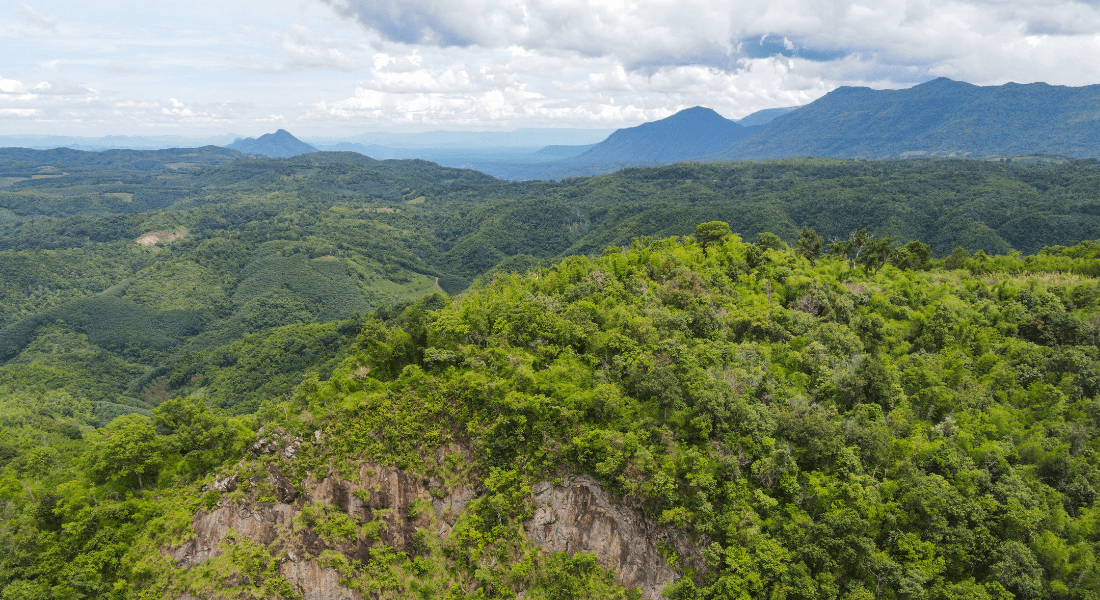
(161, 267)
(846, 425)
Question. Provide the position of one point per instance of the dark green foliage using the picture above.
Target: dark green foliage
(809, 244)
(883, 421)
(892, 432)
(240, 376)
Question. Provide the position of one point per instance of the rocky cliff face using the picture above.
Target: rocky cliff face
(575, 515)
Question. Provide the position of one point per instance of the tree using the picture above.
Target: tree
(203, 437)
(850, 249)
(712, 232)
(809, 244)
(878, 252)
(767, 239)
(914, 256)
(957, 259)
(127, 448)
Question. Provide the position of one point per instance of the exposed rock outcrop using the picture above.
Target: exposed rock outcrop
(380, 493)
(577, 515)
(275, 442)
(316, 583)
(261, 523)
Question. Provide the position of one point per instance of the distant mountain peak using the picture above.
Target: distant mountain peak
(941, 117)
(696, 111)
(687, 134)
(281, 144)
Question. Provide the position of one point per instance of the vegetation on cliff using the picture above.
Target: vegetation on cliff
(866, 424)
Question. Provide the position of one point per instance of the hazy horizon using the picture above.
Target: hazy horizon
(339, 68)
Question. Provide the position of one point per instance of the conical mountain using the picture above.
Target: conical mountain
(280, 144)
(688, 134)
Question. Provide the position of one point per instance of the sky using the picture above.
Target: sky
(337, 68)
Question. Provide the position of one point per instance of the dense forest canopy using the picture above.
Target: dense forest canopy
(158, 261)
(885, 387)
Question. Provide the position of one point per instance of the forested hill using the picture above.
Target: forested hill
(332, 375)
(706, 418)
(17, 164)
(941, 117)
(144, 270)
(686, 135)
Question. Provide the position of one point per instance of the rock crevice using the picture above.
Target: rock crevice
(577, 515)
(572, 515)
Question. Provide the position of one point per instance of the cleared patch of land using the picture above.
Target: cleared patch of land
(156, 237)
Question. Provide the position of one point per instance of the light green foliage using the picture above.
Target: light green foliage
(334, 527)
(917, 428)
(809, 244)
(244, 570)
(125, 450)
(840, 431)
(577, 576)
(712, 232)
(317, 239)
(201, 437)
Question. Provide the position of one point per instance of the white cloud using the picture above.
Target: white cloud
(36, 18)
(342, 66)
(45, 88)
(647, 34)
(19, 112)
(11, 86)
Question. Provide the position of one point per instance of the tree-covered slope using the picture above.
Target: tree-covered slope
(940, 117)
(688, 134)
(991, 206)
(163, 267)
(23, 164)
(812, 427)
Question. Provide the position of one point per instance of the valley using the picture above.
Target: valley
(332, 376)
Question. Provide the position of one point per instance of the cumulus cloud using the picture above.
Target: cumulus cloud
(178, 111)
(646, 34)
(511, 87)
(352, 65)
(45, 88)
(303, 50)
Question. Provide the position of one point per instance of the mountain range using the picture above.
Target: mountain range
(686, 135)
(940, 117)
